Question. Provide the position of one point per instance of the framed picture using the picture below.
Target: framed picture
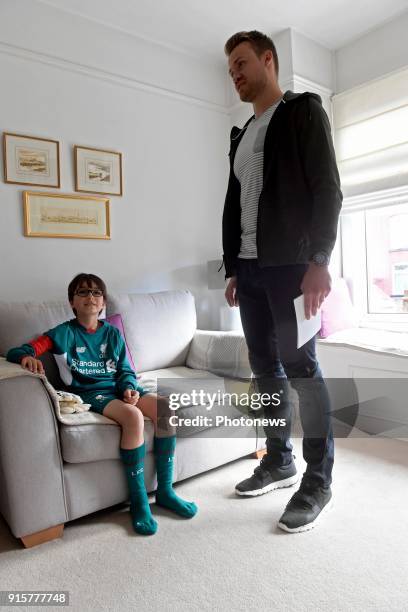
(63, 215)
(98, 171)
(31, 161)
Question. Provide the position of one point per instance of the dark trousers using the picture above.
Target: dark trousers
(269, 322)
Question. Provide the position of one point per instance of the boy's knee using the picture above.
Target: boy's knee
(132, 415)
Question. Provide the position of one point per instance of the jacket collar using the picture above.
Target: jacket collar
(288, 97)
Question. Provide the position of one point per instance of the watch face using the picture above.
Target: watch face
(321, 259)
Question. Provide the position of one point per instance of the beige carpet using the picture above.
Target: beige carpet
(231, 556)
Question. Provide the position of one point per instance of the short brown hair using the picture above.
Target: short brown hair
(258, 41)
(85, 279)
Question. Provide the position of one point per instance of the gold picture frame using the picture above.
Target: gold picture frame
(65, 215)
(98, 171)
(30, 160)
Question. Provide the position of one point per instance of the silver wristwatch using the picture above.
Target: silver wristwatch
(320, 258)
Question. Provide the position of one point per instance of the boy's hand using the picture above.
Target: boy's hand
(34, 365)
(130, 396)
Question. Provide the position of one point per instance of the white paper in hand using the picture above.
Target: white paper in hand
(306, 329)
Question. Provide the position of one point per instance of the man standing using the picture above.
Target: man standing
(279, 228)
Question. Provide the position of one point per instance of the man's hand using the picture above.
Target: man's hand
(231, 292)
(130, 396)
(34, 365)
(316, 286)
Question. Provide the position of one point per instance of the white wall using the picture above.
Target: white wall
(73, 80)
(77, 81)
(379, 52)
(312, 61)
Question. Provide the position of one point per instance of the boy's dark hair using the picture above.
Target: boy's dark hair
(258, 41)
(85, 279)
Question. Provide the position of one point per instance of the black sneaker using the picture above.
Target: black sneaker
(267, 478)
(305, 508)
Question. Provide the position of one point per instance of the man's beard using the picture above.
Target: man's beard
(250, 91)
(246, 96)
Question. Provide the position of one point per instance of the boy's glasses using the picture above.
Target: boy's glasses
(86, 292)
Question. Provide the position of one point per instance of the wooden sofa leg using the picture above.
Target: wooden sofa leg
(260, 453)
(43, 536)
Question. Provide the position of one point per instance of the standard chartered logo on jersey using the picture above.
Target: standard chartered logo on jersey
(94, 367)
(111, 365)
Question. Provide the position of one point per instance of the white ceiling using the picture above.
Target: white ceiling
(201, 28)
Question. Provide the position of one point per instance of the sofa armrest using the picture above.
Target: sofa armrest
(31, 472)
(220, 352)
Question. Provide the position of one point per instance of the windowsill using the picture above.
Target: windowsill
(377, 340)
(396, 326)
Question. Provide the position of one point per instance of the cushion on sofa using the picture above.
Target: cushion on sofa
(83, 443)
(222, 352)
(116, 321)
(159, 326)
(22, 321)
(338, 312)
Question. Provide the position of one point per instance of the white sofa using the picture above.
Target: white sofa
(51, 473)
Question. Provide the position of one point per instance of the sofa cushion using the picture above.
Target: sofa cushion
(83, 443)
(116, 321)
(22, 321)
(172, 382)
(222, 352)
(159, 326)
(338, 312)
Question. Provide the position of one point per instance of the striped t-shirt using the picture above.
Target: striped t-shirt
(248, 169)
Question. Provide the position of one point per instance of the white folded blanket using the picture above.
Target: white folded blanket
(70, 402)
(69, 408)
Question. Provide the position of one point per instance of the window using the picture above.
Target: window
(375, 256)
(387, 251)
(371, 141)
(400, 278)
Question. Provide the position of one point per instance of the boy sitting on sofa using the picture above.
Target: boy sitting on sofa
(91, 358)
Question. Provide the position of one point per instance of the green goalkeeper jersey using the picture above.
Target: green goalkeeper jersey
(86, 360)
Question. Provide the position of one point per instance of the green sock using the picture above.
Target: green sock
(142, 519)
(165, 496)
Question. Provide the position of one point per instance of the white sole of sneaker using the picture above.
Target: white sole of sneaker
(311, 525)
(278, 484)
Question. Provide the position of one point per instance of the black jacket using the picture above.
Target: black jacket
(300, 201)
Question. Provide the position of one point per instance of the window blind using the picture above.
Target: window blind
(371, 134)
